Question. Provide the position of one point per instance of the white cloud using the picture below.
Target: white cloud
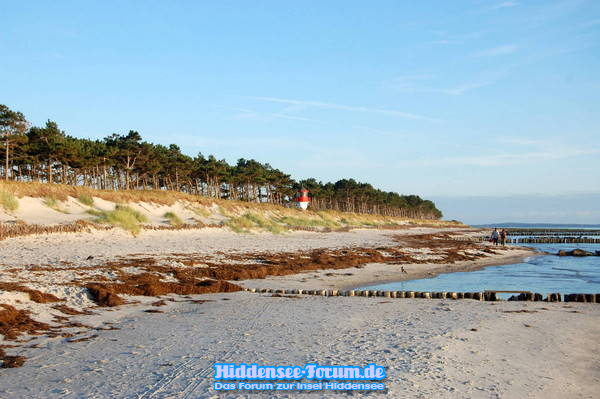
(341, 107)
(412, 83)
(506, 159)
(505, 4)
(251, 114)
(500, 50)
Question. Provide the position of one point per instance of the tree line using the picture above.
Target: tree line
(127, 162)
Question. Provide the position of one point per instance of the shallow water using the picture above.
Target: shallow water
(543, 274)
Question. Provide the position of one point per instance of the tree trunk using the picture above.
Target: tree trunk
(7, 146)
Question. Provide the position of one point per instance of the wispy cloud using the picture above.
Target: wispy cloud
(497, 6)
(506, 4)
(415, 83)
(506, 159)
(342, 107)
(248, 113)
(463, 89)
(500, 50)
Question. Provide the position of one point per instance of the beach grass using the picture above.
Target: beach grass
(201, 211)
(54, 203)
(122, 216)
(86, 199)
(251, 221)
(8, 201)
(173, 219)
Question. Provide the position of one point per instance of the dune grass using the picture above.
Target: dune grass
(251, 221)
(173, 219)
(54, 203)
(201, 211)
(8, 201)
(122, 216)
(275, 217)
(86, 199)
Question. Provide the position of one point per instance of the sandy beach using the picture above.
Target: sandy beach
(165, 345)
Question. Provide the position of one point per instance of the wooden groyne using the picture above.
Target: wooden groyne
(552, 240)
(553, 232)
(537, 240)
(478, 296)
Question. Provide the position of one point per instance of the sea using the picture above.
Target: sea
(545, 273)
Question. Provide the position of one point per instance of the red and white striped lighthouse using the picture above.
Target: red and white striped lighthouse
(302, 199)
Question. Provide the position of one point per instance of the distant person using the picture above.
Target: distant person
(495, 236)
(503, 235)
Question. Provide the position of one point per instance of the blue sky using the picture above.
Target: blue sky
(444, 99)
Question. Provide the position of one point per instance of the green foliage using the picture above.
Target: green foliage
(308, 222)
(54, 203)
(173, 219)
(86, 200)
(122, 216)
(249, 221)
(121, 162)
(201, 211)
(8, 201)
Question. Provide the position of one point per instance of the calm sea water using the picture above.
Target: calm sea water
(543, 274)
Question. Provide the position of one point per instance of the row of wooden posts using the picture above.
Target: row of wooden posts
(554, 232)
(541, 240)
(478, 296)
(553, 240)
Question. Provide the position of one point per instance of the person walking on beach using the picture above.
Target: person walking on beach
(503, 235)
(495, 236)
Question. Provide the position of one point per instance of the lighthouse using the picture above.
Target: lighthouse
(302, 199)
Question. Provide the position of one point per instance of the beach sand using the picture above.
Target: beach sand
(429, 348)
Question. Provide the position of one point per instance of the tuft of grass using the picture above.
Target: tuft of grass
(265, 224)
(122, 216)
(8, 201)
(239, 224)
(201, 211)
(173, 219)
(86, 199)
(306, 221)
(225, 212)
(249, 221)
(54, 203)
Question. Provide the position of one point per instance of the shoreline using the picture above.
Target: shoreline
(380, 273)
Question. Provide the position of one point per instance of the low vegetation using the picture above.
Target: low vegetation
(201, 211)
(122, 216)
(173, 219)
(54, 203)
(86, 199)
(249, 221)
(8, 201)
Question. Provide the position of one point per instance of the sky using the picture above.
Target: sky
(459, 101)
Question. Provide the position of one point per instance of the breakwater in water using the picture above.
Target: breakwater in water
(551, 240)
(478, 296)
(554, 232)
